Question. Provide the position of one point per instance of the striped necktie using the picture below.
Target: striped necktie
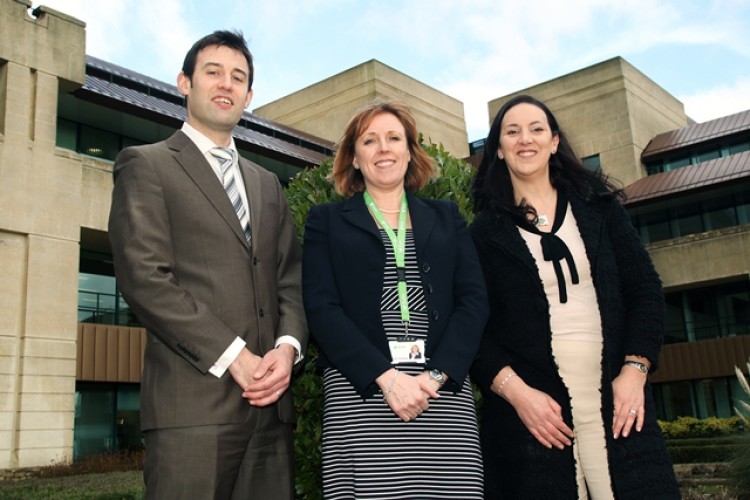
(225, 156)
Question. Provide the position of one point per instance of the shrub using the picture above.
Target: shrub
(692, 427)
(739, 470)
(704, 453)
(310, 187)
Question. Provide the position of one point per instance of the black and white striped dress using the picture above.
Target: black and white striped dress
(368, 452)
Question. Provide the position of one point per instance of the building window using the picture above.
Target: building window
(99, 300)
(91, 141)
(714, 397)
(708, 313)
(719, 214)
(476, 147)
(107, 418)
(684, 158)
(67, 134)
(592, 163)
(98, 143)
(721, 211)
(654, 226)
(688, 220)
(674, 400)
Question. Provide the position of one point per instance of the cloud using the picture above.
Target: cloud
(107, 27)
(719, 101)
(474, 51)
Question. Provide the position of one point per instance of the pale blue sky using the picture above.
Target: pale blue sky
(473, 50)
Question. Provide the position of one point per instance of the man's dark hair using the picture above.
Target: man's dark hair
(231, 39)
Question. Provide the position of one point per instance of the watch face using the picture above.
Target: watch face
(437, 375)
(643, 368)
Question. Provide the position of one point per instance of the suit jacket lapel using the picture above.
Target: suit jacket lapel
(355, 212)
(253, 190)
(422, 220)
(197, 168)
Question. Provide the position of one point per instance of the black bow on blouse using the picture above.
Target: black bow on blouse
(554, 249)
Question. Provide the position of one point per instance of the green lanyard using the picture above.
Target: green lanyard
(399, 248)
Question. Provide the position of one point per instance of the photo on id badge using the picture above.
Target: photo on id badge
(407, 350)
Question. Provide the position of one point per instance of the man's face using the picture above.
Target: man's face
(217, 93)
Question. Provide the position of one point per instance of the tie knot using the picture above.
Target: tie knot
(224, 155)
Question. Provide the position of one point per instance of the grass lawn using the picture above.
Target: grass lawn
(120, 485)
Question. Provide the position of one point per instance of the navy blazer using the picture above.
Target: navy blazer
(342, 274)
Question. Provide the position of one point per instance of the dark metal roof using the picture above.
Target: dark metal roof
(698, 133)
(704, 174)
(130, 89)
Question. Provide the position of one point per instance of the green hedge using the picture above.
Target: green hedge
(310, 187)
(692, 440)
(693, 427)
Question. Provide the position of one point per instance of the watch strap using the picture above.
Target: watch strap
(641, 367)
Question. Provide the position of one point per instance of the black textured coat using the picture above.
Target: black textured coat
(518, 333)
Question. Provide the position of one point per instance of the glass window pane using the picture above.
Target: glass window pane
(592, 162)
(96, 298)
(705, 398)
(676, 163)
(700, 314)
(655, 167)
(708, 155)
(129, 141)
(66, 134)
(719, 214)
(739, 148)
(655, 226)
(93, 432)
(688, 219)
(742, 202)
(675, 329)
(734, 308)
(128, 418)
(676, 400)
(99, 143)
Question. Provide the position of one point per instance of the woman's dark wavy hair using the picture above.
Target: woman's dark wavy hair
(492, 188)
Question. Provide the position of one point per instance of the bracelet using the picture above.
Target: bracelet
(505, 381)
(390, 386)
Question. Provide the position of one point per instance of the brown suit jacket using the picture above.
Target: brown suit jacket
(186, 270)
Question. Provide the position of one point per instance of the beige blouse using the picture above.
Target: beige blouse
(578, 318)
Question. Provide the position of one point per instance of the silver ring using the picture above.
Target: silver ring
(632, 411)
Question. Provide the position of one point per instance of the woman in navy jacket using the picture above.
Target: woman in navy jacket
(376, 398)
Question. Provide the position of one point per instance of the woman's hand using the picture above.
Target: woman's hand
(404, 394)
(541, 414)
(627, 389)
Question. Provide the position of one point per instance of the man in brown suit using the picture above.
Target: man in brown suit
(217, 287)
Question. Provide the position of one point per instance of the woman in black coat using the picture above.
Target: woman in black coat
(576, 323)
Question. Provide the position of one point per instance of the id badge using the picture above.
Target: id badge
(407, 350)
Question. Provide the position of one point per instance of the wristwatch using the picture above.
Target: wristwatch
(638, 366)
(437, 376)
